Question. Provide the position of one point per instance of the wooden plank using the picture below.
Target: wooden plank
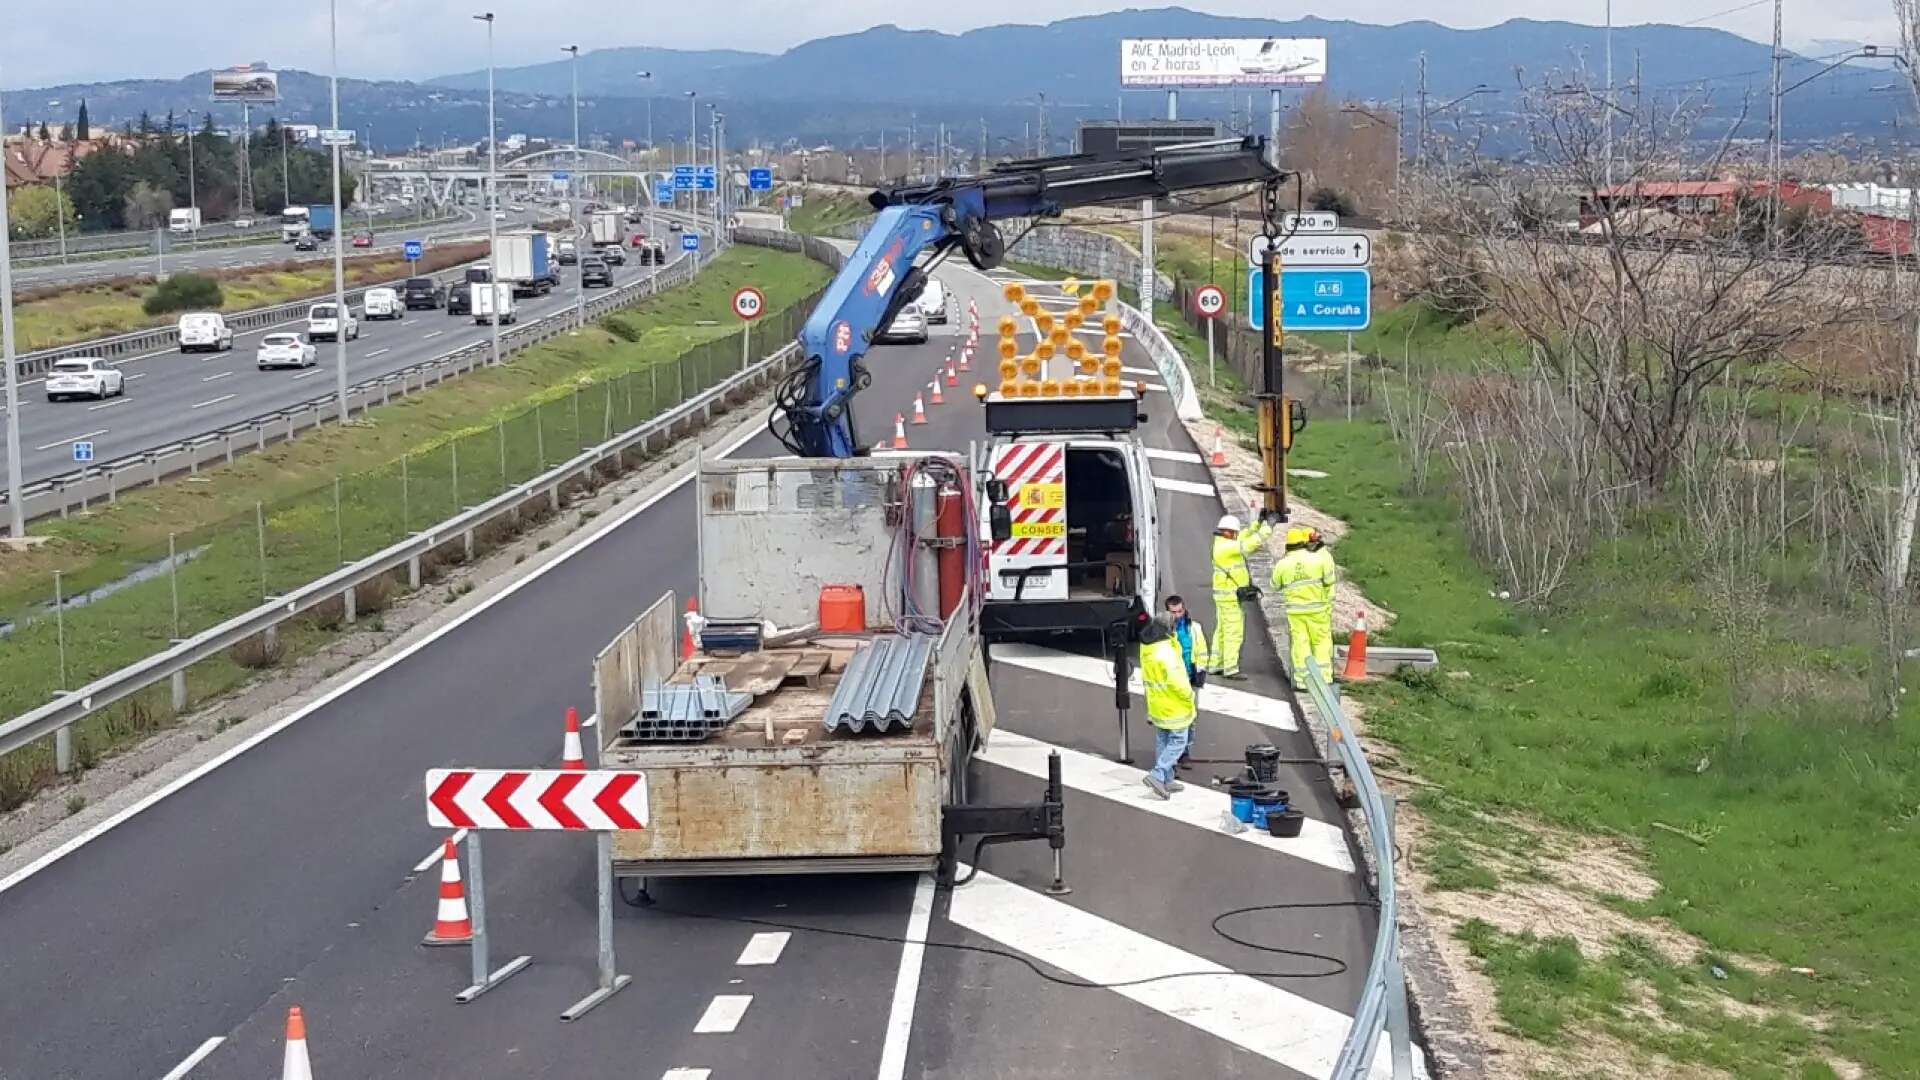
(760, 673)
(807, 671)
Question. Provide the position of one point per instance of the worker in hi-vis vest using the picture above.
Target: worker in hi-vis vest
(1305, 577)
(1171, 698)
(1192, 639)
(1232, 586)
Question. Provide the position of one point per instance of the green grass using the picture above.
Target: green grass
(820, 213)
(397, 472)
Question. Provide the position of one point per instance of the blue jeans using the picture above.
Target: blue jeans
(1167, 748)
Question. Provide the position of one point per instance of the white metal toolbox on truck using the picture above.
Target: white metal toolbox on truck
(813, 730)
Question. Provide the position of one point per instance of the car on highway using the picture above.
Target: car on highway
(638, 240)
(84, 376)
(382, 303)
(499, 215)
(612, 254)
(654, 254)
(673, 226)
(306, 241)
(363, 239)
(204, 331)
(932, 301)
(909, 325)
(285, 350)
(516, 208)
(460, 298)
(568, 253)
(243, 223)
(423, 292)
(595, 271)
(324, 323)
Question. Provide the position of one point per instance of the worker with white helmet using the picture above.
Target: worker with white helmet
(1232, 586)
(1305, 576)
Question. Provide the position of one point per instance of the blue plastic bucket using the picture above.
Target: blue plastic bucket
(1242, 796)
(1267, 801)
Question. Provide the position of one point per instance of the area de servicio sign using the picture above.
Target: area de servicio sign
(1195, 62)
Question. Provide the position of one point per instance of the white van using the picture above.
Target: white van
(382, 303)
(1069, 520)
(488, 299)
(205, 331)
(324, 323)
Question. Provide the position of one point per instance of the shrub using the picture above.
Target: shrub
(183, 292)
(1326, 198)
(258, 651)
(374, 596)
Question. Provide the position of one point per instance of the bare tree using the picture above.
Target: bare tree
(147, 206)
(1343, 151)
(1645, 306)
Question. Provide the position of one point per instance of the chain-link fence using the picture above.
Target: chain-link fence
(60, 631)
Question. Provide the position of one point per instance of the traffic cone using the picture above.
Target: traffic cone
(570, 755)
(1356, 668)
(451, 925)
(966, 356)
(686, 635)
(919, 410)
(899, 432)
(934, 386)
(295, 1065)
(1219, 459)
(953, 377)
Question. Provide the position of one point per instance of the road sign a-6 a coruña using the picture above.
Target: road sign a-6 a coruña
(748, 303)
(1316, 298)
(1209, 301)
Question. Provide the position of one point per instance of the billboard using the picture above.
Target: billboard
(1174, 63)
(253, 87)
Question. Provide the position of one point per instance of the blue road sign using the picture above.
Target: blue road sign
(760, 179)
(682, 181)
(705, 181)
(683, 170)
(413, 249)
(663, 192)
(689, 241)
(1316, 299)
(83, 450)
(560, 176)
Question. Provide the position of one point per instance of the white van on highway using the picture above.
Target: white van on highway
(205, 331)
(383, 303)
(324, 324)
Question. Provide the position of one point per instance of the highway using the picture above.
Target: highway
(173, 395)
(184, 256)
(296, 868)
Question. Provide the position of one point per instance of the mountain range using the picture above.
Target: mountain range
(852, 87)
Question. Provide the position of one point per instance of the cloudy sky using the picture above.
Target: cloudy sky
(416, 38)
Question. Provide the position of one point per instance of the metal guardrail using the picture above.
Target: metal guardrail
(106, 480)
(212, 234)
(1172, 366)
(1383, 997)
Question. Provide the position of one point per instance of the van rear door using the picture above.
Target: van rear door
(1031, 564)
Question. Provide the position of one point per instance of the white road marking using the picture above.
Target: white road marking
(1182, 456)
(433, 335)
(684, 1073)
(1184, 487)
(310, 373)
(1201, 807)
(62, 442)
(353, 683)
(763, 949)
(1100, 332)
(377, 352)
(1280, 1026)
(216, 401)
(439, 852)
(221, 375)
(115, 403)
(906, 985)
(1219, 700)
(1140, 371)
(186, 1066)
(140, 375)
(723, 1014)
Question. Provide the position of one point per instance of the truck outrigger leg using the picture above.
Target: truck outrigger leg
(1045, 820)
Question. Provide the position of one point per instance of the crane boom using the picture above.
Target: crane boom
(916, 225)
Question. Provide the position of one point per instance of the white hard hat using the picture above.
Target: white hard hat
(1228, 523)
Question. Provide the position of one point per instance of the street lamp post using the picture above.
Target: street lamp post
(16, 514)
(573, 191)
(693, 155)
(653, 204)
(339, 220)
(492, 201)
(286, 176)
(193, 198)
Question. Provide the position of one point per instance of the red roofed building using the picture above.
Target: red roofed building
(1693, 198)
(30, 161)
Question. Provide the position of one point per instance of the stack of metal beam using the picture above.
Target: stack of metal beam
(880, 688)
(685, 712)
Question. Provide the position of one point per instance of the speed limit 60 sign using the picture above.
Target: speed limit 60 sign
(1209, 301)
(748, 303)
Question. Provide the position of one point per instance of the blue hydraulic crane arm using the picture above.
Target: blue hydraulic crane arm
(916, 225)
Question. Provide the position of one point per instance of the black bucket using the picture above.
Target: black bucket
(1263, 763)
(1285, 823)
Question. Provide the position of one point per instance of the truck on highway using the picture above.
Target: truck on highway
(606, 227)
(293, 223)
(320, 221)
(837, 690)
(492, 302)
(524, 263)
(183, 219)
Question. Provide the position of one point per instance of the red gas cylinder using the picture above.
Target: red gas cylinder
(949, 524)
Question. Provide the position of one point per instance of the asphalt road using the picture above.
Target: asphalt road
(285, 876)
(173, 395)
(185, 256)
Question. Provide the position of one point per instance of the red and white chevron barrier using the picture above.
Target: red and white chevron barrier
(598, 800)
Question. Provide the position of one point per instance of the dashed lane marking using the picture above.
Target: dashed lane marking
(723, 1014)
(439, 852)
(114, 404)
(1184, 487)
(377, 352)
(1280, 1026)
(179, 1071)
(684, 1073)
(216, 401)
(309, 373)
(763, 949)
(57, 443)
(433, 335)
(1218, 700)
(1319, 843)
(220, 375)
(1183, 456)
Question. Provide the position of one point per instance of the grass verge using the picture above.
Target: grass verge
(821, 212)
(340, 494)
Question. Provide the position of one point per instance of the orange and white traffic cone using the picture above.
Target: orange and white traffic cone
(295, 1065)
(899, 432)
(1219, 459)
(934, 387)
(686, 635)
(451, 926)
(966, 355)
(570, 755)
(953, 377)
(1356, 668)
(919, 410)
